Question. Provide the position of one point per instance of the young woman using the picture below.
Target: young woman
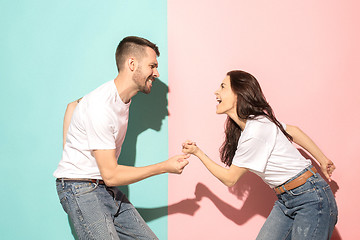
(256, 141)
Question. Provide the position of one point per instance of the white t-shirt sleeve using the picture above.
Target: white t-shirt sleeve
(99, 128)
(253, 154)
(255, 145)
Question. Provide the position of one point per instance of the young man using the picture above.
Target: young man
(88, 172)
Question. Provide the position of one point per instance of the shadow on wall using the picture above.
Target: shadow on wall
(258, 198)
(147, 111)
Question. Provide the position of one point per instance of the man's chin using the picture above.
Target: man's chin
(146, 91)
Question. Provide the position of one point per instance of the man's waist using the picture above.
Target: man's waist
(97, 181)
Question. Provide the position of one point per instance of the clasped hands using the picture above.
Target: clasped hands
(176, 164)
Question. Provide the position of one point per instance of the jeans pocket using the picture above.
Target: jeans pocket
(83, 188)
(61, 191)
(331, 199)
(63, 194)
(305, 188)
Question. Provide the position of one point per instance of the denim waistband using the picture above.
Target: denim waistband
(308, 168)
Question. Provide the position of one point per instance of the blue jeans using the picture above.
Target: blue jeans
(306, 212)
(100, 212)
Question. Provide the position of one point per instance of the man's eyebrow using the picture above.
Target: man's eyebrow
(153, 64)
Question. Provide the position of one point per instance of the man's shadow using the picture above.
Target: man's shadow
(147, 111)
(258, 198)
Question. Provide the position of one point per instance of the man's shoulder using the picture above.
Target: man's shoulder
(99, 95)
(103, 88)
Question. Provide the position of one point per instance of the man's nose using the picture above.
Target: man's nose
(156, 73)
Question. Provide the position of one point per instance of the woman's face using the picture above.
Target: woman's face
(226, 98)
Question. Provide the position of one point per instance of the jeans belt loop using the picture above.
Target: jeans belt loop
(310, 169)
(62, 183)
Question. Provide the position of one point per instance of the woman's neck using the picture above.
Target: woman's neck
(240, 122)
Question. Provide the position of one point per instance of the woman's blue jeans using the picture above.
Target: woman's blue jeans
(99, 212)
(306, 212)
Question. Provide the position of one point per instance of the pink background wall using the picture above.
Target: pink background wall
(305, 55)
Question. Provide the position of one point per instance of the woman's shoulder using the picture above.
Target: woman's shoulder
(260, 121)
(259, 127)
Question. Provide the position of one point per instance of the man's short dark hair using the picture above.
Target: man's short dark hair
(132, 46)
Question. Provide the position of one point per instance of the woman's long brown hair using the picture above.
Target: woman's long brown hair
(251, 103)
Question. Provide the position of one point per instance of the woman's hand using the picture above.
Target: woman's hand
(327, 167)
(303, 140)
(189, 147)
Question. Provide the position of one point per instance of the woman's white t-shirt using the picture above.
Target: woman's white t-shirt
(265, 151)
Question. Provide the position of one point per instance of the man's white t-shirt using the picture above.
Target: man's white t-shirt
(99, 122)
(265, 151)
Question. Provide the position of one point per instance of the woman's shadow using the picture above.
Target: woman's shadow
(258, 198)
(147, 111)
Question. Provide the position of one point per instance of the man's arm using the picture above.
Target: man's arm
(67, 118)
(114, 174)
(300, 138)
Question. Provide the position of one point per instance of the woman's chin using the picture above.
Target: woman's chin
(219, 112)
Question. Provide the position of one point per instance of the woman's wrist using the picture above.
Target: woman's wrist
(197, 152)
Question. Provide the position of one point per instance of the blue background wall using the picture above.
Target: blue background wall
(53, 52)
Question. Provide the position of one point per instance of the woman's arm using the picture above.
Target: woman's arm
(228, 176)
(67, 118)
(300, 138)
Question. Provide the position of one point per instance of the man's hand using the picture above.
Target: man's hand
(176, 164)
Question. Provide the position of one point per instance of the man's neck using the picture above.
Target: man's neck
(125, 87)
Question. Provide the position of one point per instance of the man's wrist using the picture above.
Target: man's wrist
(162, 167)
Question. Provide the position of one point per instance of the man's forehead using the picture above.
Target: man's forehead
(150, 52)
(151, 55)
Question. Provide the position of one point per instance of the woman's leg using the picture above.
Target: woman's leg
(316, 215)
